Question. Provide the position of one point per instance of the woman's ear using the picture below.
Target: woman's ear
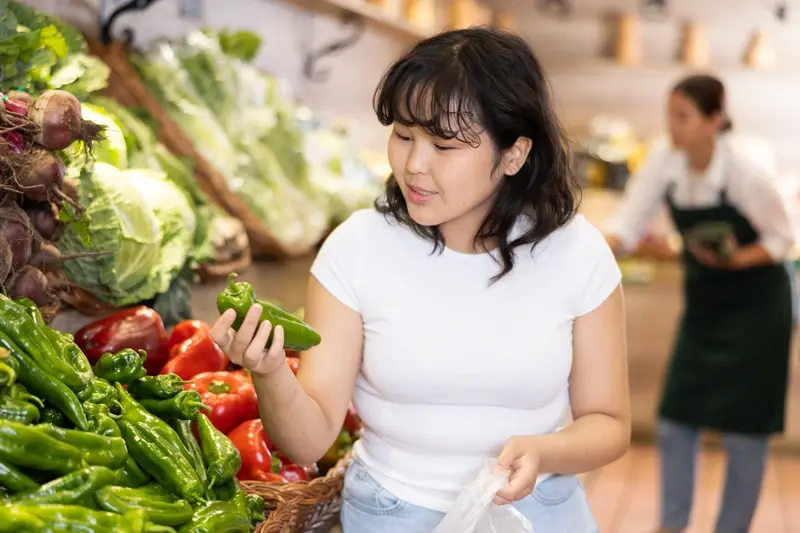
(515, 157)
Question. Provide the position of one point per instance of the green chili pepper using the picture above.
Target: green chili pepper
(124, 367)
(157, 458)
(14, 480)
(219, 517)
(15, 519)
(45, 385)
(232, 492)
(161, 387)
(74, 355)
(77, 519)
(97, 450)
(23, 330)
(71, 488)
(255, 507)
(18, 391)
(185, 405)
(297, 335)
(104, 393)
(132, 475)
(51, 415)
(134, 412)
(10, 362)
(220, 454)
(122, 500)
(28, 447)
(184, 430)
(7, 374)
(18, 411)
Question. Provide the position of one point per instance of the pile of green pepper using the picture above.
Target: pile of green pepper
(108, 448)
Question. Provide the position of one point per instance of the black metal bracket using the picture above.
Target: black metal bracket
(654, 9)
(558, 7)
(107, 21)
(311, 70)
(780, 9)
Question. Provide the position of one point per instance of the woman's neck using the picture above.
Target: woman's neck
(459, 234)
(700, 157)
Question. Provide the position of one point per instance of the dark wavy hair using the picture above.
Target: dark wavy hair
(460, 83)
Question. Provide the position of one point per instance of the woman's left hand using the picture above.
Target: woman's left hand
(521, 457)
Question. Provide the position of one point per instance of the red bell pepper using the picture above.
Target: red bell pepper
(192, 351)
(294, 364)
(230, 395)
(258, 463)
(137, 328)
(291, 472)
(352, 422)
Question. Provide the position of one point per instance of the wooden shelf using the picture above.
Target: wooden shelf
(374, 15)
(608, 67)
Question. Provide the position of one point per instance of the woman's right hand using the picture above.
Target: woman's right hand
(248, 346)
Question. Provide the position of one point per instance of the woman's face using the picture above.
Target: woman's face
(688, 127)
(443, 180)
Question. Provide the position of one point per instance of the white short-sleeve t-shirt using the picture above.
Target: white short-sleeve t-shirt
(454, 366)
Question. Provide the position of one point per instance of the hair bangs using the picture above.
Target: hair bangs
(434, 99)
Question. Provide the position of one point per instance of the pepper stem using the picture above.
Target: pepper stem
(218, 386)
(32, 399)
(8, 371)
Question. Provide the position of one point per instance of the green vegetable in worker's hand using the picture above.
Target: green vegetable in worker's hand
(220, 454)
(241, 296)
(124, 367)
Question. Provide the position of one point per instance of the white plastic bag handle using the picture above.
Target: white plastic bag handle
(474, 512)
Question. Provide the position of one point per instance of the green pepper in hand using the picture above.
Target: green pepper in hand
(221, 456)
(124, 367)
(298, 336)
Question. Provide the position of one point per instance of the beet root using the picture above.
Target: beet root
(57, 114)
(5, 259)
(30, 282)
(17, 230)
(44, 219)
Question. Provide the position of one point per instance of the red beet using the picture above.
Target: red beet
(57, 115)
(31, 282)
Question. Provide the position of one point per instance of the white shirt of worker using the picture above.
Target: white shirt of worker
(454, 366)
(741, 168)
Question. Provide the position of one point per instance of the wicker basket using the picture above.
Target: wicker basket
(302, 506)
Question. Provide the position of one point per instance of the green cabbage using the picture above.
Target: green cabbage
(112, 149)
(122, 223)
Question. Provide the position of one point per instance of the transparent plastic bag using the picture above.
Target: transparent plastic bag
(474, 511)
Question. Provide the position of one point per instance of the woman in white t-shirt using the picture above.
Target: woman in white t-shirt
(471, 315)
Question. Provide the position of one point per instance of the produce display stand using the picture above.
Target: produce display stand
(129, 89)
(302, 506)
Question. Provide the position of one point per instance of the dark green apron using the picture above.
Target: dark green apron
(730, 364)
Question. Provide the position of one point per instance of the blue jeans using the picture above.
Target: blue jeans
(557, 505)
(747, 457)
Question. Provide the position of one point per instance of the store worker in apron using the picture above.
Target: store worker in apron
(472, 315)
(730, 363)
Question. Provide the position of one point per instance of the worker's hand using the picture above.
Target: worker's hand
(710, 259)
(656, 247)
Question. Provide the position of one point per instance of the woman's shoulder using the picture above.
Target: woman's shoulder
(578, 234)
(361, 226)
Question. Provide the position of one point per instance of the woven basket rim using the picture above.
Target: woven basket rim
(303, 492)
